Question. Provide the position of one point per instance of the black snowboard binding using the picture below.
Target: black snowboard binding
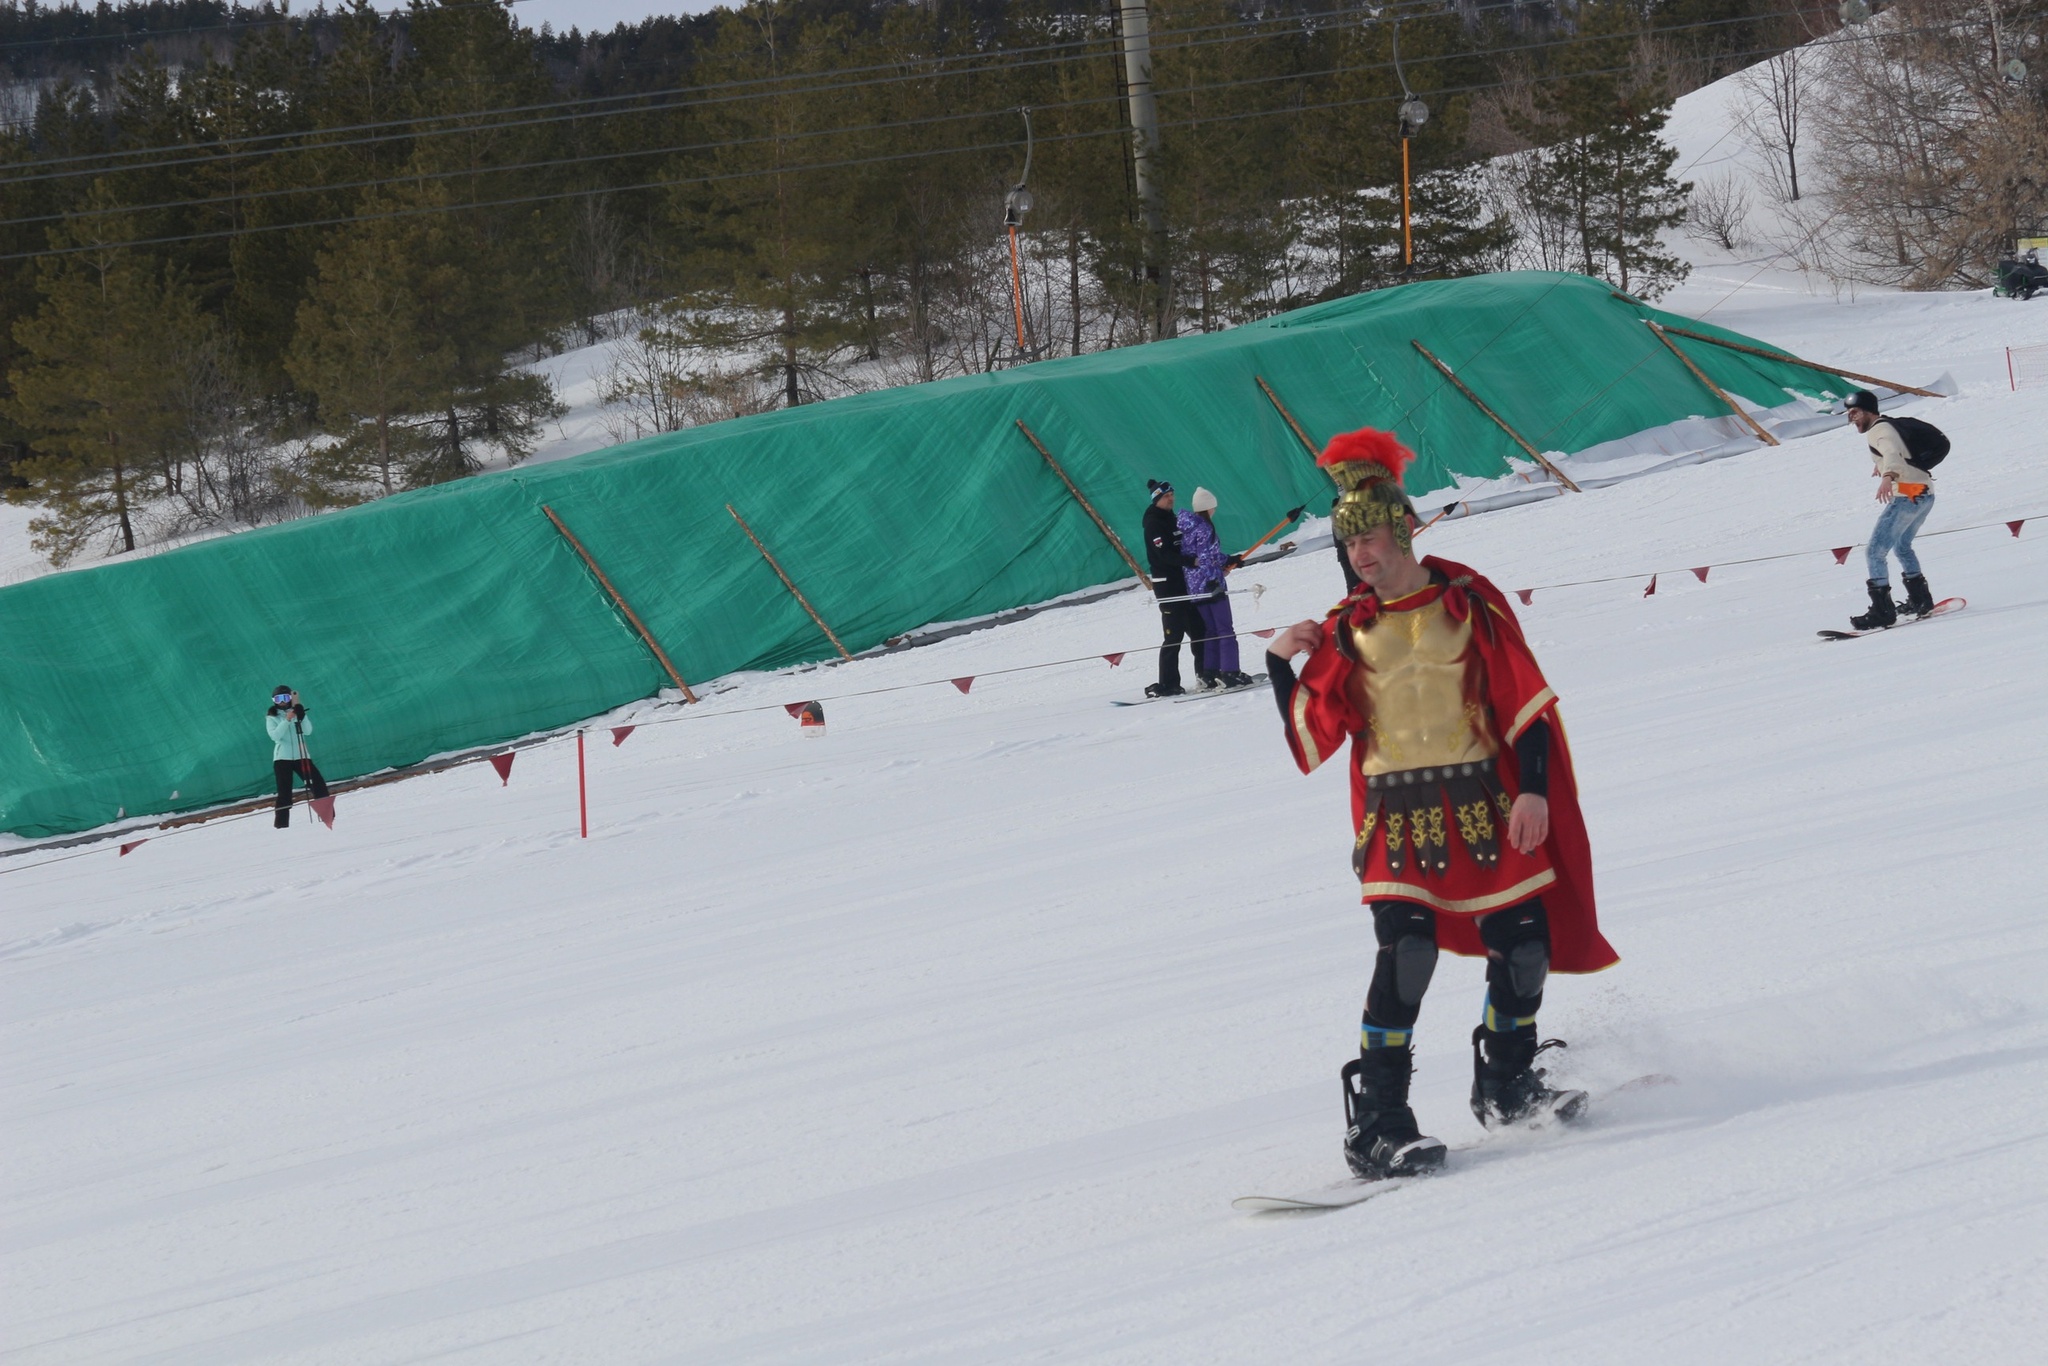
(1380, 1135)
(1919, 598)
(1507, 1086)
(1237, 678)
(1883, 612)
(1164, 690)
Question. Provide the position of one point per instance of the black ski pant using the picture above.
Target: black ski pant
(1517, 940)
(1182, 623)
(284, 769)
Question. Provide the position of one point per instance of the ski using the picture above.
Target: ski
(1940, 609)
(1572, 1108)
(1258, 681)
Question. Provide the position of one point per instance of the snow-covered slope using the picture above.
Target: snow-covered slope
(950, 1035)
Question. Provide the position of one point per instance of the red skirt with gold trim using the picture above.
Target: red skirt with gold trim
(1438, 837)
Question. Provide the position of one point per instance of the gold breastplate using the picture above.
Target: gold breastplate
(1414, 695)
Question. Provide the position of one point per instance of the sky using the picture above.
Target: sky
(602, 15)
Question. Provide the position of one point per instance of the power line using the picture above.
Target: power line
(992, 63)
(754, 173)
(499, 169)
(415, 177)
(996, 61)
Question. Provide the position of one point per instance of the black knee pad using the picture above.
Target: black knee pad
(1517, 957)
(1404, 965)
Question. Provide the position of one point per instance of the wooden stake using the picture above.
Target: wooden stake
(1811, 365)
(630, 615)
(1088, 507)
(1719, 392)
(794, 591)
(1555, 473)
(1288, 417)
(1278, 527)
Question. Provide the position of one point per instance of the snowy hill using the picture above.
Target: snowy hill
(949, 1035)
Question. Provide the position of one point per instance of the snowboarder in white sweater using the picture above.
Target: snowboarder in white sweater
(1907, 493)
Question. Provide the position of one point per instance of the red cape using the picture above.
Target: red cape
(1515, 685)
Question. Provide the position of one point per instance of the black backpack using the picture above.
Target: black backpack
(1926, 444)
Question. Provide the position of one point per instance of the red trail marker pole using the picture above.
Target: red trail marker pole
(582, 790)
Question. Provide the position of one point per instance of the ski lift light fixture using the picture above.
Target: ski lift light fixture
(1414, 113)
(1016, 204)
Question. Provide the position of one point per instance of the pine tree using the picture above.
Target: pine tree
(1602, 171)
(363, 349)
(767, 236)
(95, 388)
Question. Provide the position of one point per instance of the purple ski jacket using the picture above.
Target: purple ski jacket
(1198, 542)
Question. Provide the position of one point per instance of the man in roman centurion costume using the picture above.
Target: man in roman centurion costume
(1468, 828)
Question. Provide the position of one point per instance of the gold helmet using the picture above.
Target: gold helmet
(1367, 465)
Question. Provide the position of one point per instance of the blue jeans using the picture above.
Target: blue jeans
(1896, 527)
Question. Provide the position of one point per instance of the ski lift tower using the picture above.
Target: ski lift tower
(1016, 204)
(1413, 114)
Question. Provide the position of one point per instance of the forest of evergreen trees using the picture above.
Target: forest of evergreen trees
(254, 263)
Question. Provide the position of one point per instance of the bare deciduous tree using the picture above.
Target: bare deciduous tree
(1719, 213)
(1777, 90)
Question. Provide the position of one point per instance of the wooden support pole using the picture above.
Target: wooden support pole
(631, 616)
(1780, 356)
(1288, 418)
(1719, 392)
(1278, 527)
(1555, 473)
(794, 591)
(1089, 508)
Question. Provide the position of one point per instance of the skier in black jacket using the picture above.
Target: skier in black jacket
(1163, 556)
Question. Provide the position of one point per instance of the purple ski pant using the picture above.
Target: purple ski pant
(1217, 649)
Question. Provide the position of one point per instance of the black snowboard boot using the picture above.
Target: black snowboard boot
(1507, 1087)
(1882, 612)
(1237, 678)
(1164, 690)
(1380, 1136)
(1919, 599)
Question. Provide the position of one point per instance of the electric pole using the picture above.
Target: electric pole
(1137, 36)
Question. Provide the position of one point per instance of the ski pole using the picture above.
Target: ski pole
(1278, 527)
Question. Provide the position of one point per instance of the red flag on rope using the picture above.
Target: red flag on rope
(795, 708)
(1268, 633)
(132, 845)
(323, 807)
(1115, 659)
(503, 763)
(2014, 527)
(1525, 594)
(1701, 572)
(963, 684)
(1652, 588)
(619, 734)
(1841, 553)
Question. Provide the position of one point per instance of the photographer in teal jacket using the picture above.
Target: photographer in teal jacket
(289, 726)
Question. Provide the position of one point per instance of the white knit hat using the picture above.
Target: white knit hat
(1203, 501)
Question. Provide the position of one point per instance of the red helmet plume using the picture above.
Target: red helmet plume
(1367, 445)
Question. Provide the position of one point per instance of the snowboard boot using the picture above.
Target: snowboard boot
(1882, 612)
(1237, 678)
(1206, 682)
(1919, 599)
(1164, 690)
(1380, 1135)
(1507, 1087)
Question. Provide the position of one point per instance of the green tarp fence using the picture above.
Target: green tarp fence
(457, 617)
